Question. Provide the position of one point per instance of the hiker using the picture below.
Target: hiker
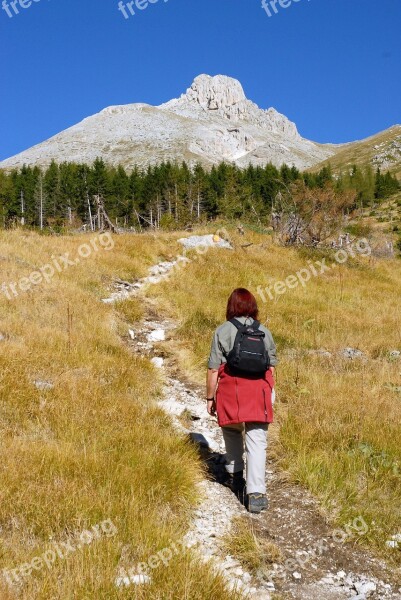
(240, 384)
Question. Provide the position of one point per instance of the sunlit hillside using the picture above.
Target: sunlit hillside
(340, 417)
(81, 434)
(382, 150)
(84, 442)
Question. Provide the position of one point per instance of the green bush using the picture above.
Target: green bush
(360, 230)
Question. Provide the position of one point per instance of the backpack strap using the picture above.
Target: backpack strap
(255, 325)
(240, 327)
(237, 323)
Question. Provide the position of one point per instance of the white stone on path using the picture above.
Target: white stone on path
(158, 362)
(352, 353)
(122, 581)
(161, 268)
(158, 335)
(365, 587)
(43, 385)
(133, 579)
(205, 241)
(204, 440)
(172, 407)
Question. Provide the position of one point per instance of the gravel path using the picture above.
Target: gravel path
(319, 563)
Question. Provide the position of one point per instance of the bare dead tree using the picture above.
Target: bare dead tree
(103, 217)
(305, 216)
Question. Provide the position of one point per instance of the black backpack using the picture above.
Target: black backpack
(249, 356)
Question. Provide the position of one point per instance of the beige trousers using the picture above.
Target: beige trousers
(255, 437)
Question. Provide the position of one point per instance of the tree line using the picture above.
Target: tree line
(172, 196)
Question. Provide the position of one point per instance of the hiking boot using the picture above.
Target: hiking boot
(236, 482)
(257, 502)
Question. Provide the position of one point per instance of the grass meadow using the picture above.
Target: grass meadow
(339, 419)
(93, 447)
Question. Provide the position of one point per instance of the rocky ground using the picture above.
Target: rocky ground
(319, 563)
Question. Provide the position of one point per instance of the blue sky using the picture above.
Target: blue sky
(332, 66)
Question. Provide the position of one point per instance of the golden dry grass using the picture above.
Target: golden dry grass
(95, 446)
(340, 420)
(362, 152)
(253, 551)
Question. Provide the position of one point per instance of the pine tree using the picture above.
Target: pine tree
(121, 199)
(8, 200)
(52, 192)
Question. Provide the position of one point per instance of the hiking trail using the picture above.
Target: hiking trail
(323, 567)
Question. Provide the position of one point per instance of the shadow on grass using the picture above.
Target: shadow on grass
(214, 463)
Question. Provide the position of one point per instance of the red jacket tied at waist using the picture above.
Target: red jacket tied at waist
(242, 399)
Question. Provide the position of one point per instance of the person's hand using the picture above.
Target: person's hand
(211, 407)
(273, 372)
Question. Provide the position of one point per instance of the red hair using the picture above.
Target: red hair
(242, 303)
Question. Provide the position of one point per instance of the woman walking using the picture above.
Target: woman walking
(240, 383)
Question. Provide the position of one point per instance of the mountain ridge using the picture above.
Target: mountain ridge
(381, 150)
(213, 121)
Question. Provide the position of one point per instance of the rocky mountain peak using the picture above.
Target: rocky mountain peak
(223, 97)
(215, 93)
(219, 95)
(212, 121)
